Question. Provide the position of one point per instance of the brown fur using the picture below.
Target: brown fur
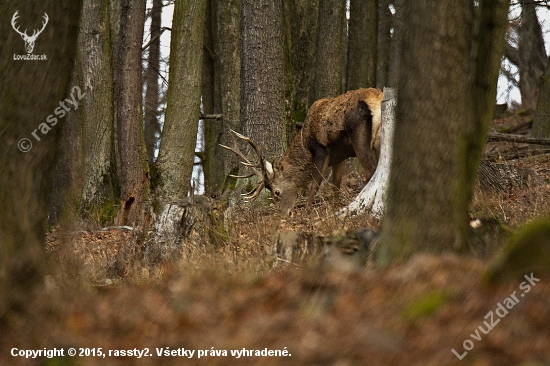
(335, 129)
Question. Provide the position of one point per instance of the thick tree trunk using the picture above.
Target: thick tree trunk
(30, 92)
(262, 75)
(134, 174)
(421, 212)
(362, 44)
(151, 128)
(85, 170)
(177, 146)
(328, 59)
(488, 45)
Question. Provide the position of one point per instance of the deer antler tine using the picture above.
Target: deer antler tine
(242, 176)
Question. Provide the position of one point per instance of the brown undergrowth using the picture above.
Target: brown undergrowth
(103, 290)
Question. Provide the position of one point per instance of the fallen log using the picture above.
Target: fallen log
(495, 136)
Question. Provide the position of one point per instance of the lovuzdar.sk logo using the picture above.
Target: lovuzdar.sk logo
(29, 40)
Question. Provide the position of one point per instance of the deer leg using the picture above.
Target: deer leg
(336, 180)
(321, 166)
(361, 145)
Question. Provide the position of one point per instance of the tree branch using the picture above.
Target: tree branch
(495, 136)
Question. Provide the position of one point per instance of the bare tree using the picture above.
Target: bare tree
(225, 70)
(134, 170)
(151, 128)
(362, 44)
(328, 59)
(85, 170)
(529, 56)
(177, 145)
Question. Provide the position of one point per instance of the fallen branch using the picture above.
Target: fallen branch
(495, 136)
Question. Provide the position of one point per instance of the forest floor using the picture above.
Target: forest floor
(234, 304)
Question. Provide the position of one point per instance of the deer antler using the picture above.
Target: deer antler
(13, 19)
(266, 171)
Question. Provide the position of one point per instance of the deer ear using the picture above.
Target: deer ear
(269, 169)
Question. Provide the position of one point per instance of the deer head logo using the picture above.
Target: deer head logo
(29, 40)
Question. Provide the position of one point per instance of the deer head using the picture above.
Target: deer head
(29, 40)
(280, 178)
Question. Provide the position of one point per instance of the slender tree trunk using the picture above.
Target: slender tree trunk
(30, 92)
(541, 123)
(262, 75)
(532, 56)
(421, 212)
(396, 46)
(304, 34)
(134, 174)
(328, 60)
(226, 70)
(362, 44)
(177, 146)
(384, 42)
(151, 127)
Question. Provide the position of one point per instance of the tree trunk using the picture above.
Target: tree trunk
(304, 30)
(151, 128)
(328, 59)
(134, 174)
(362, 44)
(372, 197)
(29, 130)
(532, 54)
(421, 211)
(384, 42)
(488, 45)
(541, 123)
(396, 45)
(226, 68)
(177, 146)
(262, 75)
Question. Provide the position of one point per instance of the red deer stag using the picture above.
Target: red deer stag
(335, 129)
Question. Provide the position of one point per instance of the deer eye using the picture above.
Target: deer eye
(277, 193)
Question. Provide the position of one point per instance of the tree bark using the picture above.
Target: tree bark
(304, 31)
(30, 92)
(384, 42)
(262, 75)
(328, 59)
(541, 122)
(151, 128)
(226, 70)
(421, 211)
(134, 174)
(177, 146)
(395, 46)
(362, 44)
(532, 54)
